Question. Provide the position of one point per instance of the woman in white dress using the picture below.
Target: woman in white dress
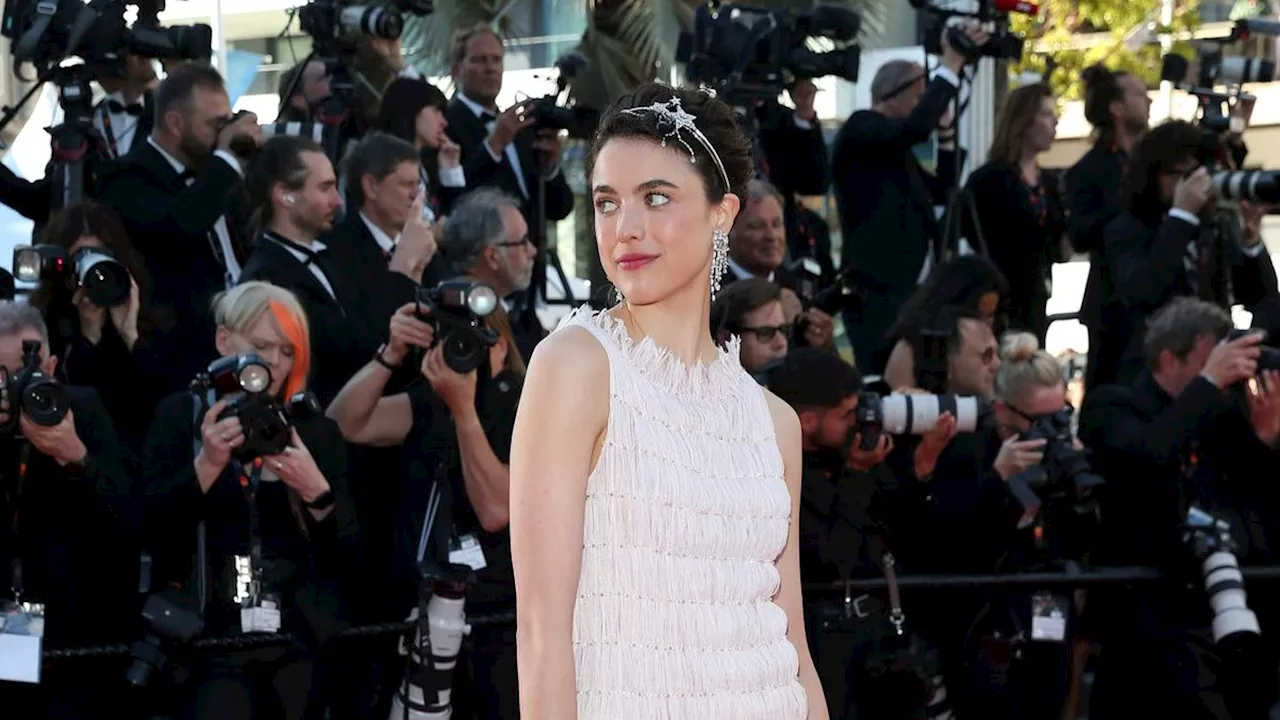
(654, 484)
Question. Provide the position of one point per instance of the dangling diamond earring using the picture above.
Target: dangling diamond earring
(719, 259)
(618, 298)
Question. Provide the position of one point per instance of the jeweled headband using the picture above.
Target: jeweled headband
(671, 113)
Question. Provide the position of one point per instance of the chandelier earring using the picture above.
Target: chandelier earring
(719, 259)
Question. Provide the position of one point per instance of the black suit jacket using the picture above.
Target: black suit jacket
(343, 339)
(170, 223)
(78, 533)
(469, 132)
(886, 203)
(1145, 262)
(315, 570)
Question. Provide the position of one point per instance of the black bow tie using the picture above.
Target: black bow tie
(117, 108)
(186, 175)
(487, 117)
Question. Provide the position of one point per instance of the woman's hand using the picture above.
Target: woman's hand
(218, 439)
(125, 316)
(449, 155)
(297, 468)
(407, 331)
(92, 317)
(458, 391)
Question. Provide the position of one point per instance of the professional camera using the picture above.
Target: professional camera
(104, 279)
(1064, 471)
(97, 32)
(33, 393)
(343, 21)
(428, 683)
(747, 52)
(580, 122)
(456, 309)
(265, 421)
(1209, 538)
(171, 618)
(1003, 43)
(913, 415)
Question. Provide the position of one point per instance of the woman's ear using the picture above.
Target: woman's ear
(730, 204)
(222, 341)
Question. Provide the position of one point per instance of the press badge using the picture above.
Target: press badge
(21, 641)
(260, 614)
(466, 550)
(1048, 618)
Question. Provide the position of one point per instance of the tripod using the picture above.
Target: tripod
(76, 142)
(528, 308)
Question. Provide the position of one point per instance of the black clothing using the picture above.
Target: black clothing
(1022, 232)
(1145, 259)
(172, 226)
(809, 236)
(470, 132)
(796, 158)
(883, 193)
(1094, 198)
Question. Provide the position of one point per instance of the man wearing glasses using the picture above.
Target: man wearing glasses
(752, 309)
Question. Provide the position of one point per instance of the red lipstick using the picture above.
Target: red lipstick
(635, 261)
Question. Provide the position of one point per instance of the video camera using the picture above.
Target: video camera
(96, 270)
(45, 33)
(33, 393)
(456, 309)
(265, 421)
(548, 112)
(336, 24)
(897, 414)
(1003, 44)
(748, 53)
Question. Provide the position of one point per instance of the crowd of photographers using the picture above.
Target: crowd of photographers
(258, 394)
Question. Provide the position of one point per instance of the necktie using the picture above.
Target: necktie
(487, 117)
(118, 108)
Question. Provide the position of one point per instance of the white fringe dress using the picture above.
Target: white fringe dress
(687, 511)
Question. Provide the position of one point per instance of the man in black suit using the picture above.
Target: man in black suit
(180, 195)
(294, 189)
(76, 544)
(123, 116)
(886, 199)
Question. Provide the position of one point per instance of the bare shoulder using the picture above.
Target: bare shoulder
(571, 356)
(786, 425)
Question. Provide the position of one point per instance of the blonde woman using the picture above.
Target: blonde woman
(284, 522)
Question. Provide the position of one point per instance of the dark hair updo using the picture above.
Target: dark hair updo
(712, 117)
(1101, 88)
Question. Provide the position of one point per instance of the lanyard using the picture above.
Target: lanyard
(106, 130)
(249, 483)
(15, 565)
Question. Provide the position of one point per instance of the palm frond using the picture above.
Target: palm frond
(427, 39)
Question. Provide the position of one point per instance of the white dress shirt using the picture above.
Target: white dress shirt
(118, 129)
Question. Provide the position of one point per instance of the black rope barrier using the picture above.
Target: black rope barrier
(1083, 578)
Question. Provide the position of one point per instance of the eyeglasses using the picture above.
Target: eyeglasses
(515, 243)
(987, 356)
(765, 333)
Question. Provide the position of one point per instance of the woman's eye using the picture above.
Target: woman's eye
(604, 205)
(658, 200)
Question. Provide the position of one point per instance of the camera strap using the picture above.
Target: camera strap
(888, 566)
(13, 500)
(249, 483)
(428, 522)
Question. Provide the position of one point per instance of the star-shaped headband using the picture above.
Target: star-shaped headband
(671, 113)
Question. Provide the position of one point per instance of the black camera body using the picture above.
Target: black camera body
(456, 308)
(1064, 473)
(171, 618)
(550, 114)
(337, 23)
(1002, 44)
(33, 393)
(265, 421)
(96, 270)
(750, 53)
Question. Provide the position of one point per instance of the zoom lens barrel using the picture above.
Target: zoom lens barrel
(380, 21)
(1256, 186)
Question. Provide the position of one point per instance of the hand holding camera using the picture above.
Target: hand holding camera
(511, 121)
(297, 468)
(93, 317)
(1264, 406)
(457, 390)
(219, 439)
(954, 57)
(819, 328)
(1233, 361)
(243, 125)
(863, 460)
(1193, 191)
(1018, 455)
(932, 444)
(60, 442)
(407, 331)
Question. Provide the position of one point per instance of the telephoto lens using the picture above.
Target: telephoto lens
(105, 280)
(1210, 540)
(426, 693)
(1255, 186)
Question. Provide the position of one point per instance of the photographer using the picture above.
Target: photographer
(118, 351)
(282, 525)
(125, 114)
(1180, 433)
(853, 510)
(310, 84)
(180, 195)
(70, 536)
(1116, 104)
(884, 193)
(1173, 240)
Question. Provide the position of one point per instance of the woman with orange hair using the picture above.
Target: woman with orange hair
(279, 528)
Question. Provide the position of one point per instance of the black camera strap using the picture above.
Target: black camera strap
(14, 499)
(249, 483)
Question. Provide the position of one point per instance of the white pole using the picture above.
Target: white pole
(1166, 46)
(219, 42)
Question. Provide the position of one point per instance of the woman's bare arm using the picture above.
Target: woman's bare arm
(563, 411)
(787, 427)
(900, 370)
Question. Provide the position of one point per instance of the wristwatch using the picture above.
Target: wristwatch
(323, 501)
(378, 358)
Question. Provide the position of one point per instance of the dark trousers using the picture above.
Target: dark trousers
(76, 689)
(261, 684)
(486, 687)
